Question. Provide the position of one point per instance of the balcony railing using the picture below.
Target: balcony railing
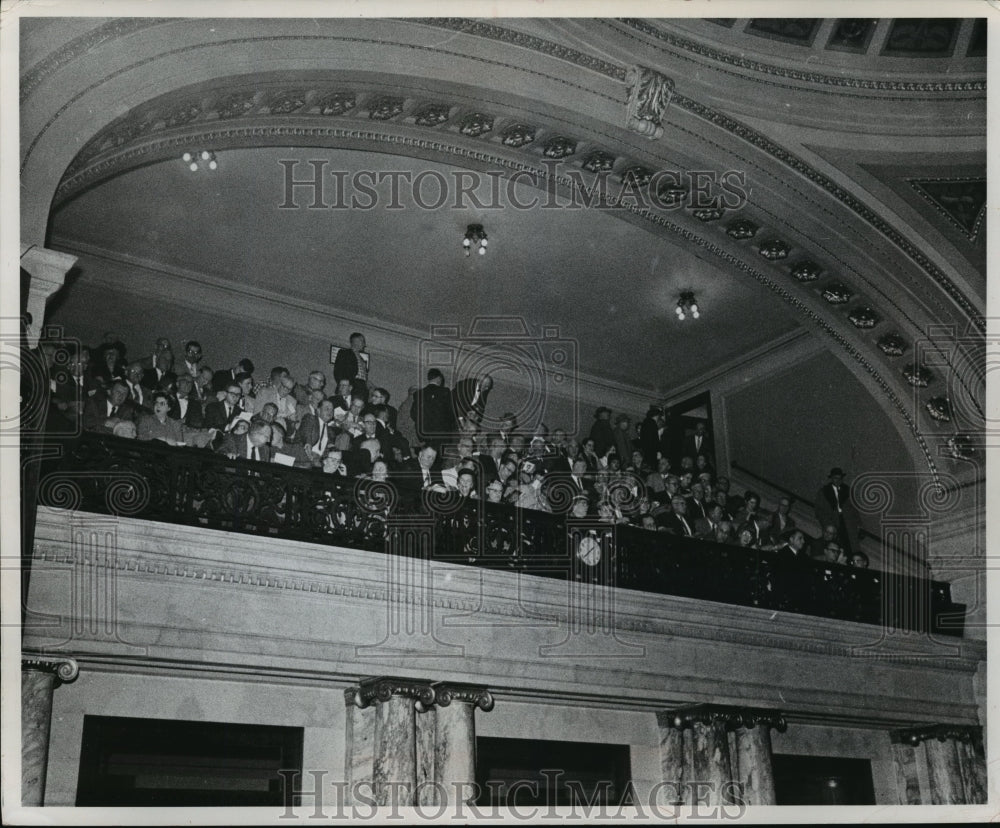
(153, 481)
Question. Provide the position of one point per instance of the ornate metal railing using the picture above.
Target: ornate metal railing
(194, 487)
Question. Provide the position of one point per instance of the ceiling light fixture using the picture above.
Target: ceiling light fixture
(687, 304)
(475, 236)
(204, 157)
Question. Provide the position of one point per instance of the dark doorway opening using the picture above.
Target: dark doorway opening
(823, 780)
(682, 424)
(127, 761)
(530, 772)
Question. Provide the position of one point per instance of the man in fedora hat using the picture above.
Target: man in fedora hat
(833, 507)
(653, 436)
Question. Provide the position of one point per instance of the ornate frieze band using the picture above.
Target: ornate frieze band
(65, 668)
(733, 717)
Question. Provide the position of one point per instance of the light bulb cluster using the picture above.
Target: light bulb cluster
(195, 160)
(475, 236)
(687, 305)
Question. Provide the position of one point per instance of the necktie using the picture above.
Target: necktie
(114, 410)
(427, 477)
(697, 444)
(256, 453)
(687, 529)
(836, 496)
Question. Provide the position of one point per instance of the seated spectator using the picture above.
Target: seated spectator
(222, 414)
(278, 392)
(675, 521)
(648, 522)
(221, 379)
(203, 385)
(707, 526)
(724, 533)
(124, 428)
(380, 471)
(494, 491)
(466, 484)
(732, 503)
(184, 407)
(793, 545)
(333, 463)
(286, 453)
(265, 414)
(253, 445)
(108, 364)
(102, 415)
(162, 369)
(833, 553)
(316, 381)
(589, 453)
(342, 400)
(580, 506)
(315, 433)
(394, 444)
(697, 507)
(781, 521)
(377, 397)
(703, 466)
(859, 560)
(745, 538)
(140, 395)
(310, 406)
(655, 480)
(818, 546)
(527, 492)
(158, 425)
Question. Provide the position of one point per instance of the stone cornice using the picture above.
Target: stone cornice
(65, 668)
(732, 717)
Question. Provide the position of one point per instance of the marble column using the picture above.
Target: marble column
(953, 759)
(671, 760)
(39, 676)
(944, 772)
(752, 766)
(394, 762)
(359, 746)
(455, 739)
(716, 754)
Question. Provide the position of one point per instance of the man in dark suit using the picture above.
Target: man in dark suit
(316, 432)
(184, 407)
(350, 365)
(699, 443)
(469, 397)
(70, 391)
(141, 394)
(417, 474)
(220, 414)
(163, 369)
(706, 527)
(676, 520)
(652, 434)
(254, 445)
(102, 415)
(833, 506)
(697, 508)
(377, 397)
(222, 378)
(781, 521)
(431, 411)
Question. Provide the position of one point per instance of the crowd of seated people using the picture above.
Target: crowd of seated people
(617, 473)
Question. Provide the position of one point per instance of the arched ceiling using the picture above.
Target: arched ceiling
(862, 172)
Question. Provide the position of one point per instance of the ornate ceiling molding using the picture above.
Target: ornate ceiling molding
(844, 85)
(81, 45)
(960, 201)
